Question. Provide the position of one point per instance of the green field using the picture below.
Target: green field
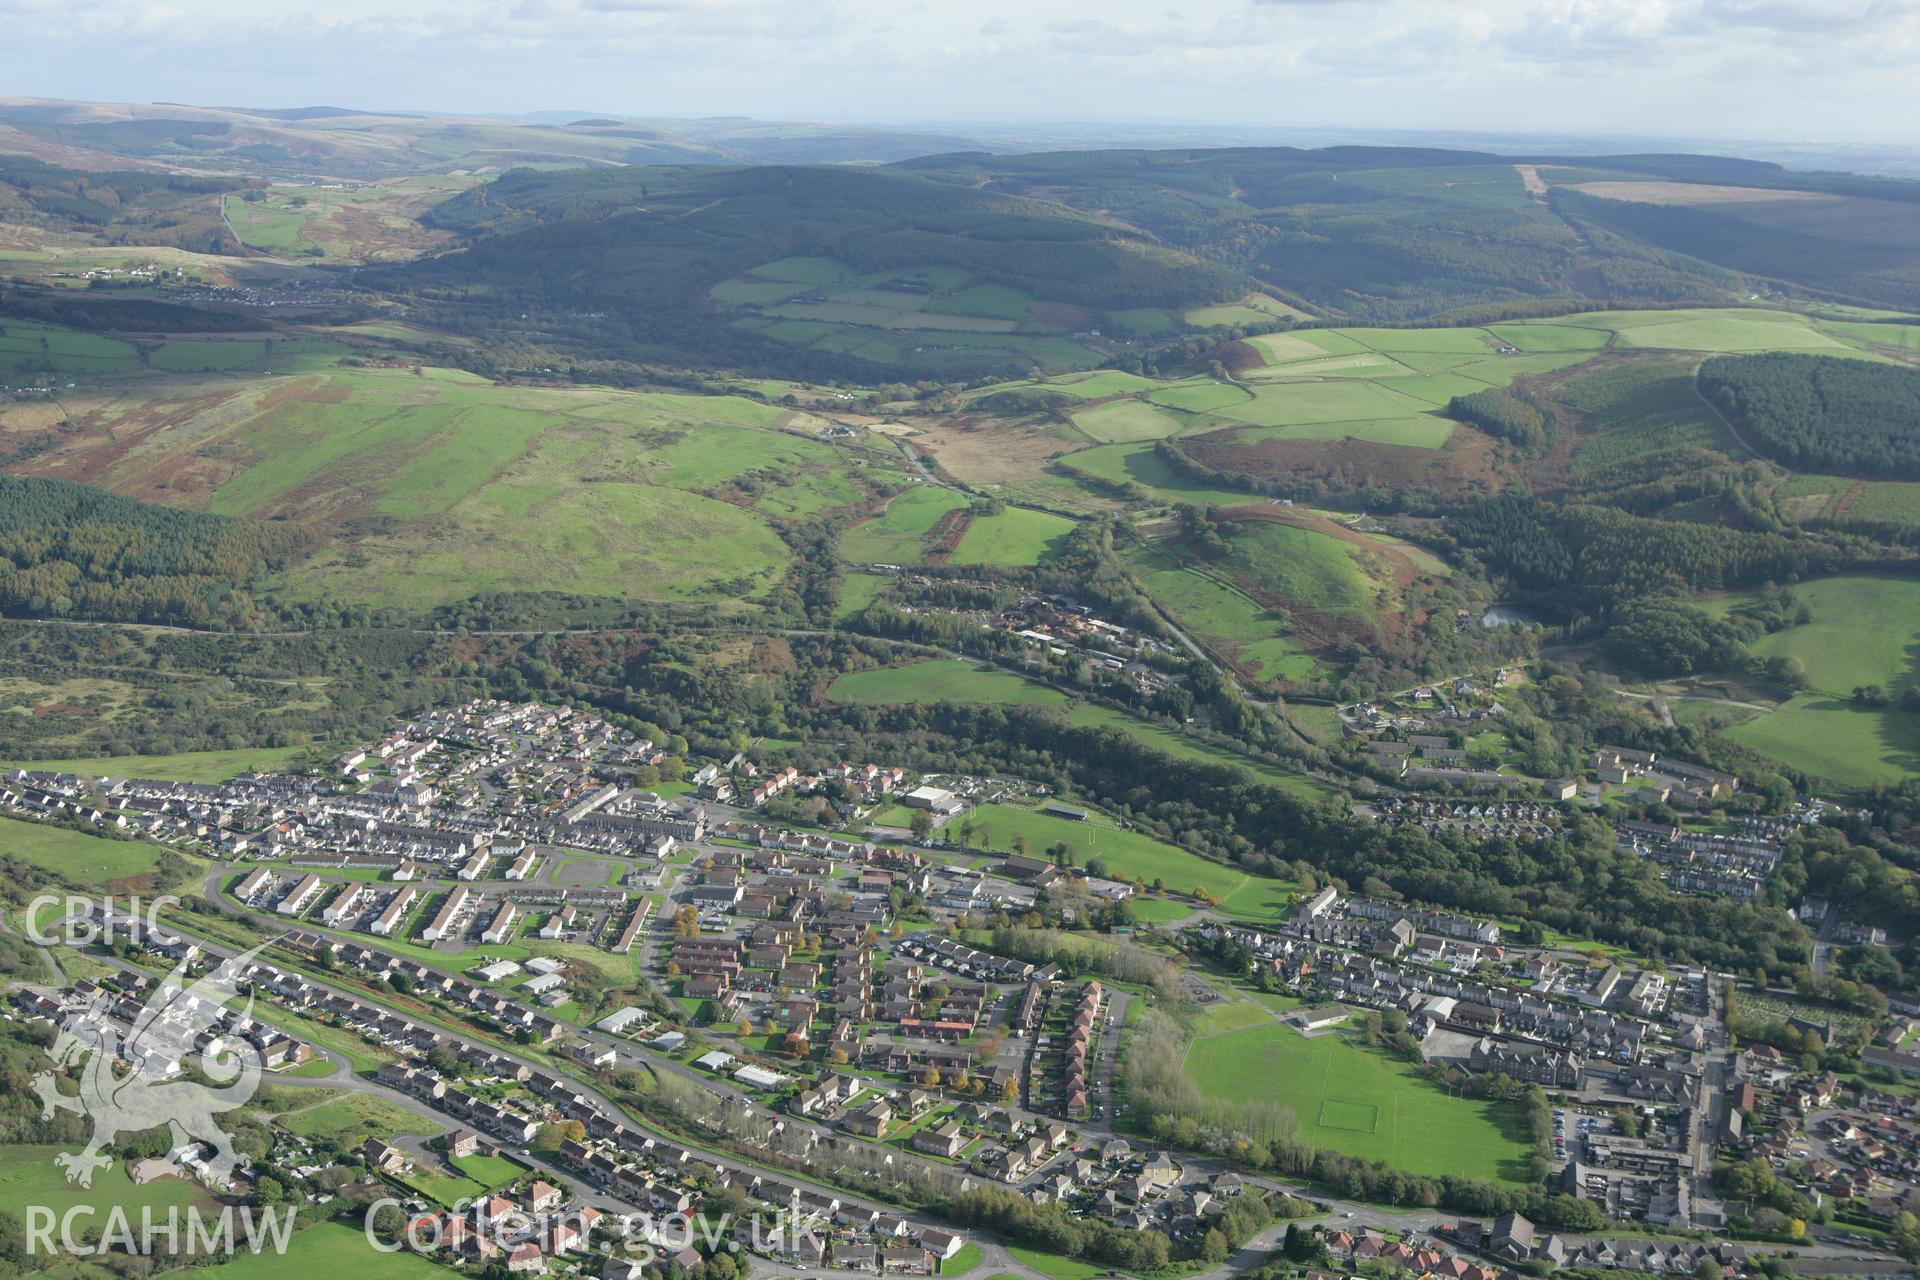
(1160, 910)
(965, 1259)
(75, 855)
(1013, 536)
(1131, 855)
(1248, 601)
(327, 1249)
(1359, 1102)
(1252, 635)
(898, 535)
(940, 680)
(188, 766)
(1727, 329)
(1322, 404)
(28, 347)
(1254, 309)
(489, 1171)
(1052, 1264)
(352, 1119)
(1305, 568)
(1900, 337)
(1200, 395)
(857, 591)
(996, 300)
(1120, 421)
(28, 1175)
(1140, 465)
(1865, 630)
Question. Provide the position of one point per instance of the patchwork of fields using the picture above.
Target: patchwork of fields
(377, 222)
(29, 348)
(939, 524)
(891, 316)
(1368, 398)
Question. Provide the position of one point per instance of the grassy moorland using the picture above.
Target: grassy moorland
(377, 222)
(427, 487)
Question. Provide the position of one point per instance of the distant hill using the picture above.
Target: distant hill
(141, 206)
(687, 264)
(342, 142)
(1399, 234)
(630, 259)
(315, 141)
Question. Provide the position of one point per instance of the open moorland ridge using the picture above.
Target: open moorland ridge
(1183, 713)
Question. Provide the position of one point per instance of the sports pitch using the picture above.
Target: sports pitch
(1360, 1102)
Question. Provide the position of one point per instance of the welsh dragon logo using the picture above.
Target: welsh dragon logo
(137, 1082)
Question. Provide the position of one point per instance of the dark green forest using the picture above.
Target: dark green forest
(1816, 413)
(1506, 415)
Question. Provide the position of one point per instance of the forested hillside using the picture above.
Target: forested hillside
(1838, 245)
(1375, 234)
(70, 551)
(1507, 415)
(1854, 417)
(147, 208)
(639, 249)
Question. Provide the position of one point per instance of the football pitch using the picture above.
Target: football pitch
(1360, 1102)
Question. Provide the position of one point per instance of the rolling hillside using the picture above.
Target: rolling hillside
(629, 262)
(1398, 234)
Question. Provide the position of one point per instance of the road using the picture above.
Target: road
(1822, 943)
(344, 1079)
(601, 1103)
(1350, 1214)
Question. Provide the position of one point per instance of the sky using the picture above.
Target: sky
(1785, 70)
